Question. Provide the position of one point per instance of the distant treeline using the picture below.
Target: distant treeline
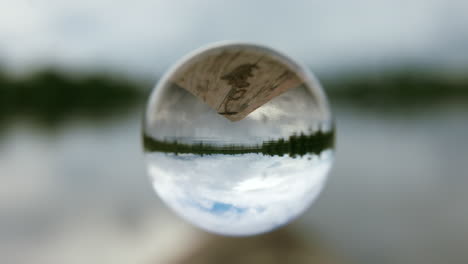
(52, 95)
(400, 88)
(295, 145)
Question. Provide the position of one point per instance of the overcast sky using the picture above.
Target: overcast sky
(238, 194)
(144, 36)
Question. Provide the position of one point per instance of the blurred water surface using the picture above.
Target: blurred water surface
(74, 188)
(79, 193)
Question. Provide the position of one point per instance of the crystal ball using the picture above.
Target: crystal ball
(238, 139)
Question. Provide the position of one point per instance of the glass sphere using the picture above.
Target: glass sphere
(238, 139)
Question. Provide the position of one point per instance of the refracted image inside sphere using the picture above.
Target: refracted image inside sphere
(238, 139)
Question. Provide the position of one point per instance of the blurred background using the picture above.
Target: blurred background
(74, 77)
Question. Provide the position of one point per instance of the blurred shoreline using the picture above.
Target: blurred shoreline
(51, 96)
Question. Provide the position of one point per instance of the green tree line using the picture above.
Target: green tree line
(295, 145)
(52, 96)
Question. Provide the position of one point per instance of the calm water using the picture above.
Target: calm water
(80, 193)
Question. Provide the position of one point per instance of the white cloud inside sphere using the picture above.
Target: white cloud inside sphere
(238, 194)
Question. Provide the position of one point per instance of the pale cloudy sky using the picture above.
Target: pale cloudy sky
(238, 194)
(144, 36)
